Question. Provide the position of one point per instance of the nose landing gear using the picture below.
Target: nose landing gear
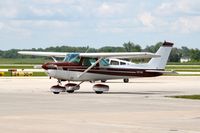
(71, 87)
(56, 89)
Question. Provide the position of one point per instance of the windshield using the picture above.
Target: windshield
(72, 57)
(75, 58)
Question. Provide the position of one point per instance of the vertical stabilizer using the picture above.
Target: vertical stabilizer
(164, 52)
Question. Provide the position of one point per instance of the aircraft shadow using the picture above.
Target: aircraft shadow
(134, 82)
(130, 93)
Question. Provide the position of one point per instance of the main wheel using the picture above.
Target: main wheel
(56, 92)
(98, 92)
(70, 91)
(100, 88)
(126, 80)
(103, 81)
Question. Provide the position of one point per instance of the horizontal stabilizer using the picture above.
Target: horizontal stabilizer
(163, 72)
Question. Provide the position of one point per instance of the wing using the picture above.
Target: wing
(121, 55)
(48, 54)
(94, 55)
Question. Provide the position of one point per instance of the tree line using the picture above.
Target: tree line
(175, 56)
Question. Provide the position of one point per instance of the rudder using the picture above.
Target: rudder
(164, 52)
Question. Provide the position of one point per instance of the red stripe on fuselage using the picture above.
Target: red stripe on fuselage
(98, 70)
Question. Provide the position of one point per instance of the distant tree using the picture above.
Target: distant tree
(175, 55)
(195, 54)
(131, 47)
(185, 51)
(153, 48)
(111, 49)
(1, 52)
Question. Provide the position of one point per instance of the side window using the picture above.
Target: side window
(112, 62)
(122, 63)
(104, 62)
(86, 62)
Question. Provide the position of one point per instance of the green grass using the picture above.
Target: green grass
(186, 63)
(16, 67)
(194, 97)
(184, 70)
(39, 74)
(183, 67)
(24, 61)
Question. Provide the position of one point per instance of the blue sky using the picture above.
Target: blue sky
(97, 23)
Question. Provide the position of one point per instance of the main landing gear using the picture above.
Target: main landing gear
(100, 88)
(71, 87)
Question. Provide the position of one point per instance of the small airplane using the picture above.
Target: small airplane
(94, 67)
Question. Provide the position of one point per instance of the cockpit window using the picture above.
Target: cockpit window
(91, 61)
(75, 58)
(113, 62)
(104, 62)
(72, 57)
(87, 62)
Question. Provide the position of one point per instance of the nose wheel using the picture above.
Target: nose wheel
(56, 89)
(71, 87)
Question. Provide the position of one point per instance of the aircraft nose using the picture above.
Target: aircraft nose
(44, 66)
(49, 66)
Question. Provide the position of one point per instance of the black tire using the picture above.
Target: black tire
(103, 81)
(70, 91)
(56, 92)
(126, 80)
(99, 92)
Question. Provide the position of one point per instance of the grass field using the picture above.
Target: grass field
(183, 68)
(24, 61)
(194, 97)
(16, 67)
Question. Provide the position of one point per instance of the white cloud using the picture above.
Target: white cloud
(111, 9)
(50, 18)
(177, 7)
(1, 25)
(46, 11)
(146, 19)
(187, 25)
(9, 9)
(52, 1)
(172, 17)
(13, 29)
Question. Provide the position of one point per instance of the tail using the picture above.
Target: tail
(164, 52)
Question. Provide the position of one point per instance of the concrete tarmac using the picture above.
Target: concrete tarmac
(27, 106)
